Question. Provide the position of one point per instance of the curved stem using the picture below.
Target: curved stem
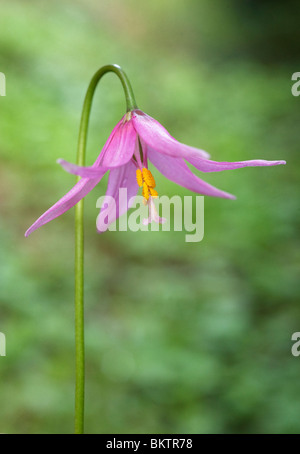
(79, 237)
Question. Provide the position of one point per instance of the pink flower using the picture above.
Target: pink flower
(136, 139)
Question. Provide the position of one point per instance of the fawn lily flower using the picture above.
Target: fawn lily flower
(134, 141)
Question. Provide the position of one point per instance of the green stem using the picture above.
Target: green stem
(79, 237)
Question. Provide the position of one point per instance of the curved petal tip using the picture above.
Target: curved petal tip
(230, 196)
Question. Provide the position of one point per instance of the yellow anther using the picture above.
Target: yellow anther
(153, 192)
(145, 179)
(148, 178)
(139, 178)
(145, 191)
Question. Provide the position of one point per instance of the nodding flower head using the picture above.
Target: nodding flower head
(134, 141)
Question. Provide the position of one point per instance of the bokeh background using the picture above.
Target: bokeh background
(180, 337)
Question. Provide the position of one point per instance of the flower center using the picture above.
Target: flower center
(146, 181)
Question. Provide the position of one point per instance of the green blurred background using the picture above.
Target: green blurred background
(180, 337)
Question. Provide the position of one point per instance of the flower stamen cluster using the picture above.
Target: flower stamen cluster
(146, 181)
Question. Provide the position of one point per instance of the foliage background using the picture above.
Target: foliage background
(181, 338)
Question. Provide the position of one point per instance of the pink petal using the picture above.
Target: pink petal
(206, 165)
(120, 178)
(158, 138)
(119, 147)
(117, 151)
(84, 172)
(80, 190)
(177, 170)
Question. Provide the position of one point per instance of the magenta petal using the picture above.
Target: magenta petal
(119, 147)
(206, 165)
(117, 151)
(80, 190)
(120, 178)
(158, 138)
(84, 172)
(177, 170)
